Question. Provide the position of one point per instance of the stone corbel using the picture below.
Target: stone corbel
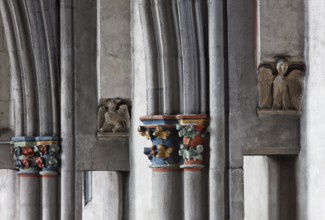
(280, 86)
(114, 116)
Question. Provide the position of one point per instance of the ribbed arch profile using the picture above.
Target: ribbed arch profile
(32, 39)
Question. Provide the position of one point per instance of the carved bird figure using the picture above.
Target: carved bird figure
(281, 91)
(265, 81)
(113, 117)
(101, 116)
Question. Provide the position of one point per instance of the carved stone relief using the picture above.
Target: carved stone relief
(114, 115)
(177, 140)
(280, 85)
(37, 153)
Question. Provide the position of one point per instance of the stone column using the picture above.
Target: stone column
(217, 110)
(49, 150)
(67, 110)
(49, 195)
(33, 155)
(29, 181)
(192, 129)
(167, 193)
(29, 191)
(166, 178)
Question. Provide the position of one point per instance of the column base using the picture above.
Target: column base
(48, 173)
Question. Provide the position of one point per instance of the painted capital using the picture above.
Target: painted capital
(177, 140)
(161, 130)
(192, 129)
(34, 154)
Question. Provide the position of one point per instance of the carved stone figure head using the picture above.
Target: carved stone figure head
(111, 105)
(282, 66)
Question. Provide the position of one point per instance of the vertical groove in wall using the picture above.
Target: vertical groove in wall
(150, 47)
(201, 57)
(195, 56)
(98, 61)
(226, 106)
(179, 54)
(167, 55)
(14, 69)
(41, 64)
(190, 63)
(49, 18)
(28, 78)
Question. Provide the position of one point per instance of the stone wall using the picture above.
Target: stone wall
(140, 174)
(311, 163)
(275, 187)
(114, 80)
(8, 178)
(6, 119)
(114, 49)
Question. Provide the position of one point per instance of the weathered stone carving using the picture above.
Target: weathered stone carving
(113, 115)
(280, 88)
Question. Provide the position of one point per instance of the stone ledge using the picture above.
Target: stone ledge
(266, 151)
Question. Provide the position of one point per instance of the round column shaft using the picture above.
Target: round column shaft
(193, 194)
(49, 195)
(49, 149)
(192, 129)
(29, 191)
(167, 193)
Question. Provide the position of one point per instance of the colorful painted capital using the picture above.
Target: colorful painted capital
(34, 154)
(193, 130)
(177, 140)
(162, 132)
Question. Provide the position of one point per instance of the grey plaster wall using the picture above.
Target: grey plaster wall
(114, 49)
(6, 118)
(90, 146)
(256, 187)
(249, 131)
(140, 189)
(8, 178)
(280, 28)
(6, 102)
(8, 190)
(270, 187)
(106, 197)
(311, 163)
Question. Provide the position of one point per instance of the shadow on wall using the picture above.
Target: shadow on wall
(282, 199)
